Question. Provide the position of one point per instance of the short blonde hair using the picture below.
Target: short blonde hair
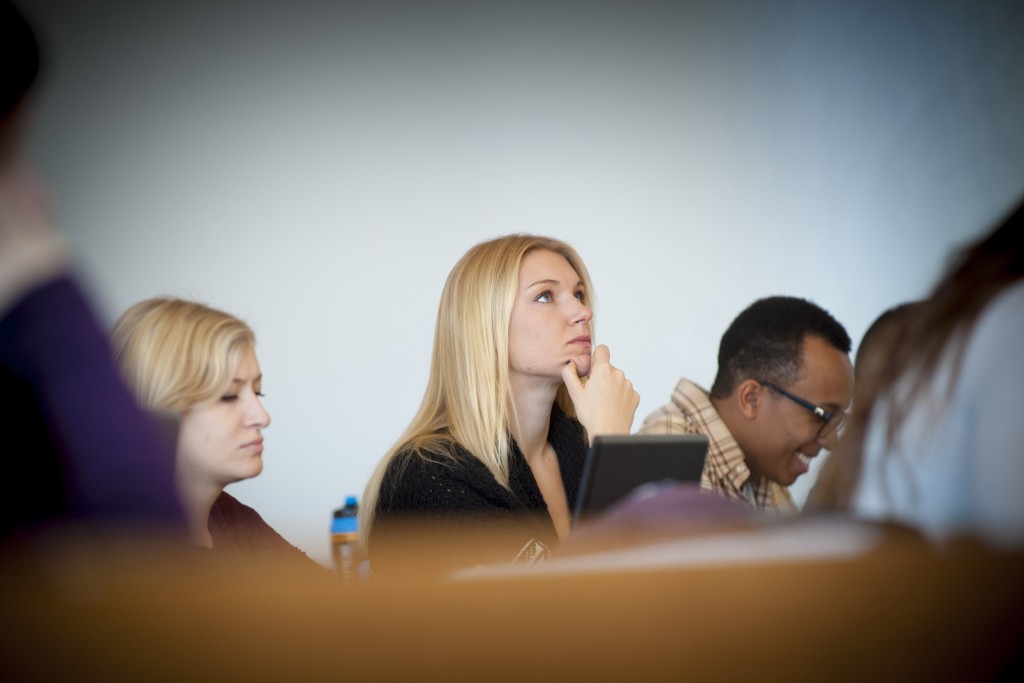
(468, 400)
(176, 353)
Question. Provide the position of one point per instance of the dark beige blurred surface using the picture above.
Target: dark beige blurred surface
(125, 613)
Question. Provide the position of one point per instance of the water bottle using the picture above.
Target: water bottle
(344, 534)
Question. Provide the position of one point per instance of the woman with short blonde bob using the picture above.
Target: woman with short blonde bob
(514, 395)
(199, 364)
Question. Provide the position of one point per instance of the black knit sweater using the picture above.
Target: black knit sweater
(437, 512)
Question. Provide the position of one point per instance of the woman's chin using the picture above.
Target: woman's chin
(253, 471)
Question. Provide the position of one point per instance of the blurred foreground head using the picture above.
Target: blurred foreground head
(19, 55)
(919, 354)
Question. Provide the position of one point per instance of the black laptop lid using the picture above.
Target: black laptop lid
(618, 464)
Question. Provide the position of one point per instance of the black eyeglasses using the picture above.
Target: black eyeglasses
(831, 421)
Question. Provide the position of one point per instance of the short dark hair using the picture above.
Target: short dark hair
(766, 342)
(19, 54)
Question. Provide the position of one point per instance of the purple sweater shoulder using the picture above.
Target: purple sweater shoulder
(83, 449)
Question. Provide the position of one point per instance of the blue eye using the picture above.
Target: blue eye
(581, 295)
(545, 297)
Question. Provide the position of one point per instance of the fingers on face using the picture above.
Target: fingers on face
(570, 375)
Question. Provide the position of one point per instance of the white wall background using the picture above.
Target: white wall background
(317, 168)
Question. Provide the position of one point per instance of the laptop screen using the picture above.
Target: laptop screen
(616, 465)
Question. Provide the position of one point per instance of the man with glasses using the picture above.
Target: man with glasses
(783, 385)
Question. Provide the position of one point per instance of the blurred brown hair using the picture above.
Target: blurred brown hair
(917, 343)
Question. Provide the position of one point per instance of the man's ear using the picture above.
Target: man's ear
(749, 395)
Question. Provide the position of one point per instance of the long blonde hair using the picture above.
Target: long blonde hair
(176, 353)
(468, 396)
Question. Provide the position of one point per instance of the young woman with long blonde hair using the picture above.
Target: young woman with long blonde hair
(489, 468)
(198, 365)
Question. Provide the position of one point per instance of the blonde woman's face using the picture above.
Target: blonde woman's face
(550, 323)
(221, 441)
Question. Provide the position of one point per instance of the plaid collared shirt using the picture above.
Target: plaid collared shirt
(725, 472)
